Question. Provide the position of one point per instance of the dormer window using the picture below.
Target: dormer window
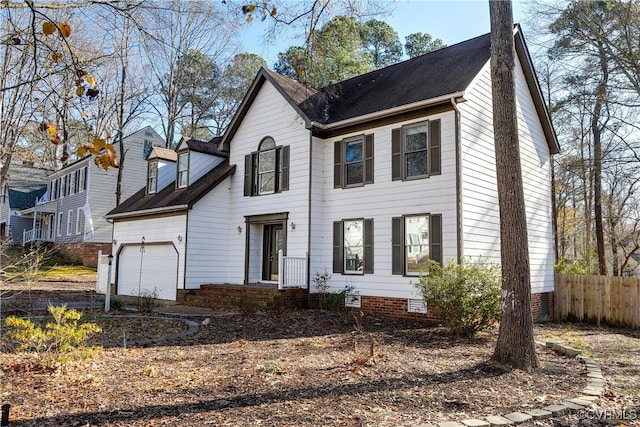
(183, 170)
(152, 176)
(267, 170)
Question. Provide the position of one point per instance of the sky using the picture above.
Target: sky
(452, 21)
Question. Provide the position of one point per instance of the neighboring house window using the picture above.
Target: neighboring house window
(353, 246)
(59, 225)
(415, 240)
(146, 149)
(78, 220)
(415, 150)
(3, 194)
(76, 180)
(353, 162)
(152, 176)
(83, 178)
(266, 171)
(183, 170)
(69, 221)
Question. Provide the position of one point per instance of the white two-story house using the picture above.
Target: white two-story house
(365, 180)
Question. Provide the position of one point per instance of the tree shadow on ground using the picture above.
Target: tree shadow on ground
(224, 402)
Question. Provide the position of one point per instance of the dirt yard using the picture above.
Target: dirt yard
(305, 368)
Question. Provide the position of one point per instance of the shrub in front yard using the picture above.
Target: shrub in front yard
(61, 339)
(465, 296)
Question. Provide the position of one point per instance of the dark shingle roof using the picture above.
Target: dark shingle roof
(210, 147)
(140, 202)
(25, 199)
(439, 73)
(26, 178)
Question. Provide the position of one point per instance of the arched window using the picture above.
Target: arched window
(267, 163)
(266, 170)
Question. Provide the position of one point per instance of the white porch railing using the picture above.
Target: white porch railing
(37, 234)
(292, 271)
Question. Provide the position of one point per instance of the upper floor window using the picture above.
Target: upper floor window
(266, 170)
(152, 176)
(415, 150)
(353, 162)
(183, 170)
(416, 239)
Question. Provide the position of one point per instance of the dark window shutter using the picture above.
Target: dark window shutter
(396, 154)
(434, 147)
(368, 159)
(397, 245)
(284, 159)
(368, 246)
(338, 250)
(435, 232)
(337, 164)
(248, 175)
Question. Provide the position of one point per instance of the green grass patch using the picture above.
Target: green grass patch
(67, 273)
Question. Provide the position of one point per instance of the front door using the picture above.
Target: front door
(272, 240)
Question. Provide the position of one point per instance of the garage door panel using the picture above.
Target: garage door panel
(153, 270)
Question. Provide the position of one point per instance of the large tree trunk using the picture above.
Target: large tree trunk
(515, 345)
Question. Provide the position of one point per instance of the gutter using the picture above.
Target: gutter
(388, 112)
(148, 212)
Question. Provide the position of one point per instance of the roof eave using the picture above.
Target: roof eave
(386, 113)
(536, 92)
(148, 212)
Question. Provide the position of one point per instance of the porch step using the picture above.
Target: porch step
(244, 297)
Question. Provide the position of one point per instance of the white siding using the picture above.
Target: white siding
(160, 230)
(200, 164)
(101, 185)
(481, 216)
(269, 115)
(167, 172)
(209, 231)
(382, 200)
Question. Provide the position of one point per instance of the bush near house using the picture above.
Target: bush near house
(466, 296)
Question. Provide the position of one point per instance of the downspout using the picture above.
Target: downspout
(458, 148)
(309, 211)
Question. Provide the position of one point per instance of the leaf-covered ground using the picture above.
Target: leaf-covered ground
(311, 368)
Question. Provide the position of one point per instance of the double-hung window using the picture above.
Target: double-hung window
(353, 246)
(183, 170)
(415, 151)
(69, 221)
(353, 162)
(266, 171)
(152, 176)
(59, 224)
(416, 239)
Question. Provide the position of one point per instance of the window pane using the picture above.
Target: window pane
(354, 174)
(416, 163)
(353, 152)
(267, 182)
(415, 139)
(183, 179)
(416, 232)
(353, 245)
(267, 144)
(182, 162)
(267, 161)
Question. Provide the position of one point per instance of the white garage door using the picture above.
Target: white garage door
(154, 270)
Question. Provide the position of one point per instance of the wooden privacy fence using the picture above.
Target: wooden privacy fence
(598, 299)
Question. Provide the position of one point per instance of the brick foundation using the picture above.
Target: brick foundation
(542, 306)
(84, 253)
